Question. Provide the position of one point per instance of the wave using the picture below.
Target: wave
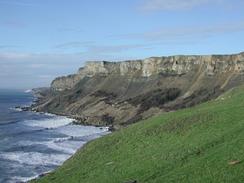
(35, 158)
(67, 144)
(49, 123)
(23, 179)
(17, 109)
(80, 131)
(9, 122)
(28, 91)
(54, 140)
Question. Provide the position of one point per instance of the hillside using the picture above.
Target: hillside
(204, 143)
(121, 93)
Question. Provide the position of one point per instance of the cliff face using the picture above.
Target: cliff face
(178, 65)
(124, 92)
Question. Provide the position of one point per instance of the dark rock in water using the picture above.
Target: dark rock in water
(121, 93)
(25, 108)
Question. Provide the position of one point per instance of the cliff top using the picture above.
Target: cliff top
(104, 62)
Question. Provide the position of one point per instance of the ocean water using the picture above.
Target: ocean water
(33, 143)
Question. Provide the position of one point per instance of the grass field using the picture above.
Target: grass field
(203, 144)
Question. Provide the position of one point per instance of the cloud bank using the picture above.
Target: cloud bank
(157, 5)
(26, 70)
(174, 34)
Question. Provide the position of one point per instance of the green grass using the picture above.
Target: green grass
(190, 145)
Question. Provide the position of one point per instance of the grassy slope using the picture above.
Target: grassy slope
(190, 145)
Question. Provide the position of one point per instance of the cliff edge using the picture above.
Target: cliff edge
(121, 93)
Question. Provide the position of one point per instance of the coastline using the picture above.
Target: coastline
(29, 108)
(51, 171)
(38, 95)
(29, 180)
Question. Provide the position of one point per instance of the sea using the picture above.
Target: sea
(32, 144)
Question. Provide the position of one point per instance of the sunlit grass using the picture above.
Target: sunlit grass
(191, 145)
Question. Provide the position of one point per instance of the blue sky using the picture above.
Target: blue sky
(42, 39)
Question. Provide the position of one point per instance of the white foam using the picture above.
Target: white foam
(80, 131)
(28, 91)
(49, 114)
(63, 145)
(35, 158)
(68, 147)
(61, 139)
(54, 122)
(23, 179)
(18, 109)
(71, 138)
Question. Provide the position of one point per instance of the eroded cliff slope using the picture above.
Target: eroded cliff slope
(120, 93)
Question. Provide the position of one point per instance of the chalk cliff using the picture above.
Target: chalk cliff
(120, 93)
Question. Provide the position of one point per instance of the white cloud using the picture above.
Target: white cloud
(28, 70)
(7, 46)
(156, 5)
(37, 58)
(70, 29)
(46, 76)
(110, 49)
(13, 55)
(36, 65)
(91, 48)
(73, 44)
(177, 34)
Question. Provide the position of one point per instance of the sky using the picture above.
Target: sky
(43, 39)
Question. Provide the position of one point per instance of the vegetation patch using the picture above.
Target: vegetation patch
(134, 119)
(197, 97)
(156, 98)
(184, 123)
(200, 144)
